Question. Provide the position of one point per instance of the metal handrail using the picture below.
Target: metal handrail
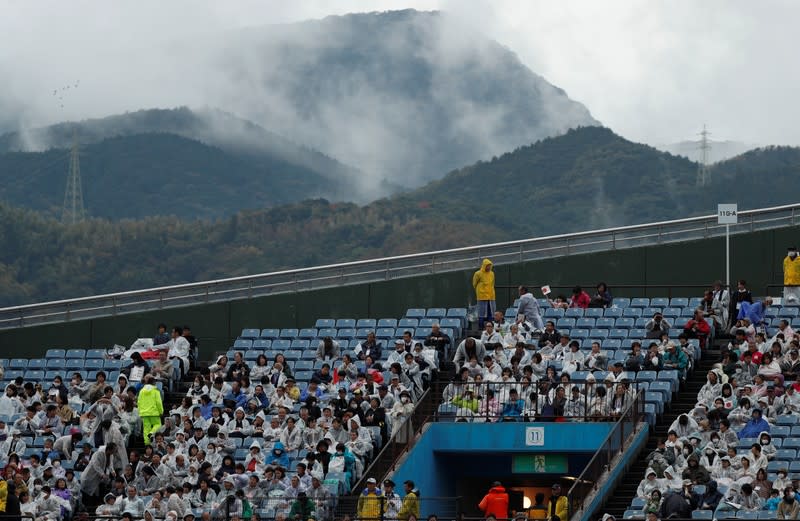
(402, 266)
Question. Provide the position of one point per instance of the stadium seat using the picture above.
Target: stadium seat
(624, 323)
(612, 312)
(585, 323)
(436, 313)
(55, 363)
(553, 313)
(619, 334)
(270, 334)
(427, 322)
(565, 323)
(76, 353)
(251, 355)
(780, 431)
(593, 312)
(459, 313)
(633, 514)
(40, 363)
(289, 333)
(407, 323)
(632, 312)
(346, 333)
(250, 334)
(604, 323)
(611, 344)
(242, 343)
(646, 376)
(292, 354)
(659, 302)
(18, 363)
(621, 302)
(262, 343)
(422, 333)
(34, 376)
(574, 313)
(415, 313)
(55, 353)
(93, 364)
(702, 514)
(388, 322)
(578, 334)
(791, 443)
(300, 344)
(346, 323)
(281, 344)
(308, 333)
(671, 312)
(787, 419)
(655, 398)
(640, 302)
(370, 323)
(598, 333)
(650, 414)
(323, 323)
(401, 330)
(74, 364)
(638, 502)
(789, 312)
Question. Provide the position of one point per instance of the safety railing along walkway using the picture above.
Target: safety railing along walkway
(389, 268)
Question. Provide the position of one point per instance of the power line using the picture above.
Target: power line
(73, 211)
(702, 168)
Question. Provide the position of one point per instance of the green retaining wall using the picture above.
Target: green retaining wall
(755, 256)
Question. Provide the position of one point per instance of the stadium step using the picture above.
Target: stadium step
(682, 402)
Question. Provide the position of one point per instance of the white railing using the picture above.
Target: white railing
(389, 268)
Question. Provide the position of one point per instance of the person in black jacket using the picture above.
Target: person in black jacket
(439, 340)
(549, 336)
(742, 294)
(12, 504)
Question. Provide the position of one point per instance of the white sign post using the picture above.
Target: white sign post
(727, 214)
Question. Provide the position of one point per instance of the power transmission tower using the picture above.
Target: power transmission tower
(73, 197)
(702, 169)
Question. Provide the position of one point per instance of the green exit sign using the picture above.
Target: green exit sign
(539, 464)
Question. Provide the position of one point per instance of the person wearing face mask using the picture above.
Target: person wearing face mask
(789, 507)
(401, 413)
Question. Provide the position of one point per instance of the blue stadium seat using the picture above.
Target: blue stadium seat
(346, 323)
(789, 312)
(574, 313)
(362, 332)
(34, 376)
(510, 314)
(460, 313)
(262, 343)
(612, 312)
(93, 364)
(18, 363)
(553, 313)
(565, 323)
(672, 312)
(655, 398)
(39, 363)
(659, 302)
(308, 333)
(304, 365)
(678, 302)
(627, 344)
(593, 312)
(74, 364)
(633, 514)
(646, 376)
(650, 414)
(617, 333)
(585, 323)
(640, 302)
(323, 323)
(604, 323)
(680, 322)
(779, 463)
(384, 332)
(624, 323)
(408, 323)
(242, 343)
(632, 312)
(346, 333)
(292, 354)
(611, 344)
(695, 302)
(787, 419)
(387, 322)
(251, 355)
(76, 353)
(289, 333)
(579, 334)
(638, 502)
(598, 333)
(328, 331)
(303, 376)
(281, 345)
(702, 514)
(768, 514)
(780, 431)
(55, 353)
(370, 323)
(649, 312)
(621, 302)
(55, 363)
(415, 313)
(436, 313)
(422, 333)
(270, 333)
(663, 387)
(250, 333)
(795, 431)
(300, 344)
(451, 323)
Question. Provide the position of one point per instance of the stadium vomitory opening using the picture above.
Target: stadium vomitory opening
(612, 373)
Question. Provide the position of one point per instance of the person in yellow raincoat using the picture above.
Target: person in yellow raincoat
(370, 502)
(791, 277)
(483, 282)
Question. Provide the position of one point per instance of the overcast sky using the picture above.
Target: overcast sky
(652, 71)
